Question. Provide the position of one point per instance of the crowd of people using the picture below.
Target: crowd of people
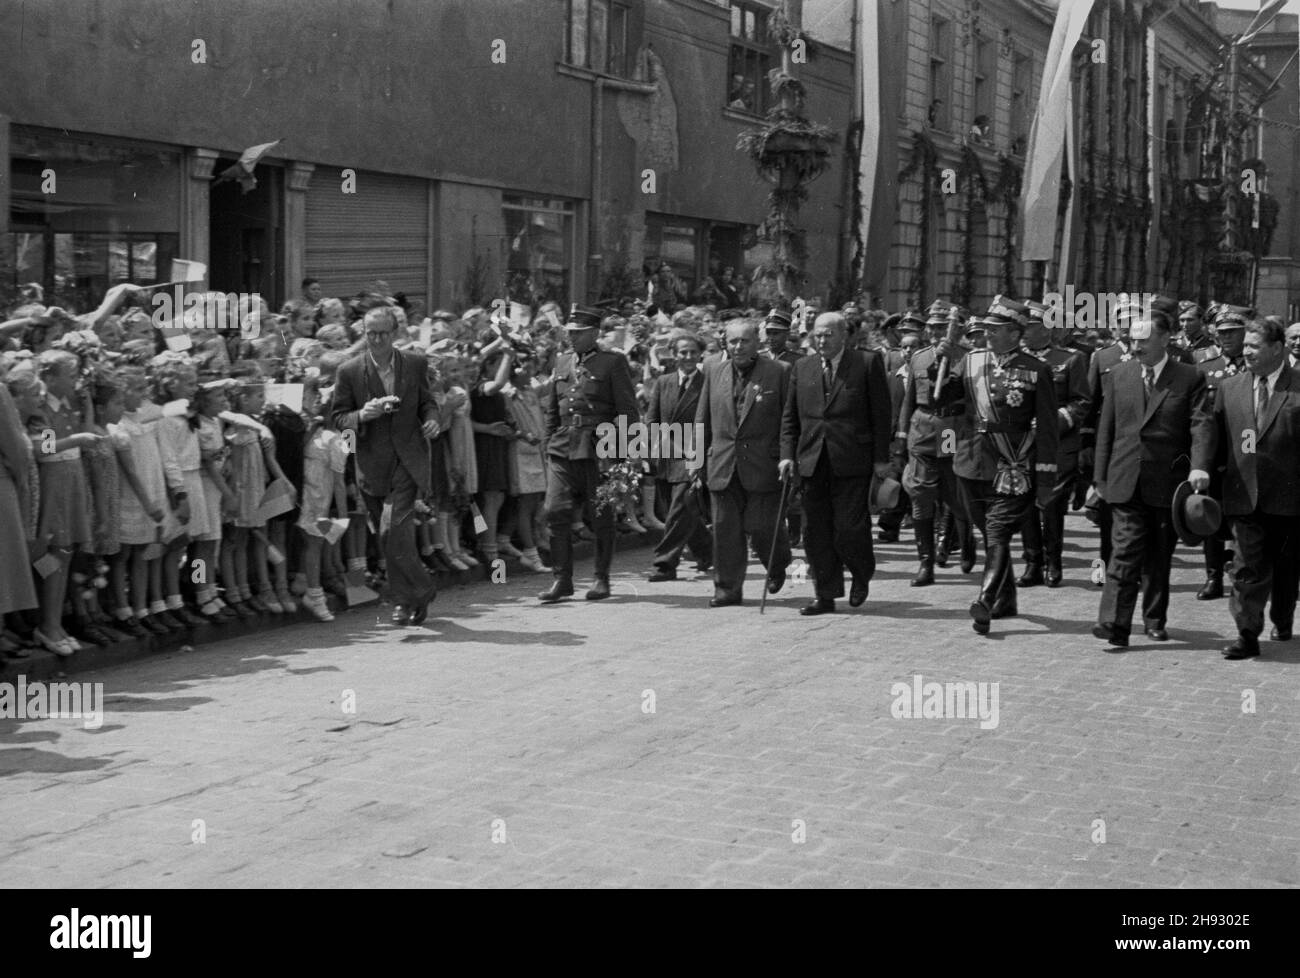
(237, 462)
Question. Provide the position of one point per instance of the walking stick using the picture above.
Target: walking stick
(780, 518)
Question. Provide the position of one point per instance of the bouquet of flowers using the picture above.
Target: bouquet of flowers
(616, 483)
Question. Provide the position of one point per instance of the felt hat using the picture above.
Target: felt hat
(1196, 516)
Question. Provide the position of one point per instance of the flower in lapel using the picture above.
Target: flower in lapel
(758, 393)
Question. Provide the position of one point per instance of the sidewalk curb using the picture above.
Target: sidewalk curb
(42, 665)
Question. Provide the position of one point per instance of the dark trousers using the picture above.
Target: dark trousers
(999, 519)
(1141, 550)
(738, 515)
(1043, 533)
(408, 580)
(682, 528)
(571, 486)
(1104, 524)
(837, 528)
(891, 520)
(929, 480)
(1264, 568)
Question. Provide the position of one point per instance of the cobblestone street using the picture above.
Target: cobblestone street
(649, 740)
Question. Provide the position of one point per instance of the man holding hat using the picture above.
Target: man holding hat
(929, 422)
(1009, 446)
(1044, 529)
(590, 387)
(1219, 361)
(1153, 419)
(1255, 429)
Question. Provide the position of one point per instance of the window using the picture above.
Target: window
(538, 249)
(674, 243)
(114, 218)
(598, 33)
(938, 115)
(985, 83)
(747, 85)
(1022, 113)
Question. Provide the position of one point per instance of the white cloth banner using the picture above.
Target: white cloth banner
(1042, 184)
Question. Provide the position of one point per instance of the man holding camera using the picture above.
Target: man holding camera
(383, 397)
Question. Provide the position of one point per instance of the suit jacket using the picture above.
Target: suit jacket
(1267, 479)
(747, 444)
(851, 421)
(669, 404)
(1145, 446)
(384, 442)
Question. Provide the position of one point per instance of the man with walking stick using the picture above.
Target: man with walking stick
(740, 417)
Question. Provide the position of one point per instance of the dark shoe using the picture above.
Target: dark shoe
(858, 593)
(887, 536)
(1052, 575)
(980, 617)
(254, 603)
(941, 556)
(189, 618)
(1032, 577)
(151, 624)
(242, 610)
(132, 627)
(338, 586)
(401, 615)
(1157, 634)
(599, 589)
(558, 589)
(1245, 647)
(820, 606)
(662, 574)
(1111, 634)
(776, 580)
(725, 600)
(1213, 587)
(94, 635)
(924, 574)
(1280, 634)
(969, 552)
(1003, 611)
(421, 610)
(169, 621)
(704, 566)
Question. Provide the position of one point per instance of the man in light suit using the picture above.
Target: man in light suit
(1255, 430)
(836, 431)
(1154, 409)
(392, 448)
(674, 398)
(740, 414)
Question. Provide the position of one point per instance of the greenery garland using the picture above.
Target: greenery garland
(924, 158)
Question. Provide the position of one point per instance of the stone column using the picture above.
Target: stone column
(297, 179)
(195, 196)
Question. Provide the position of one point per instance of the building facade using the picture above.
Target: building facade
(458, 150)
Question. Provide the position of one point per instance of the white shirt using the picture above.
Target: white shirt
(1155, 370)
(835, 361)
(1271, 380)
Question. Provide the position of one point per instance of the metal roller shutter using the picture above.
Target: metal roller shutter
(379, 232)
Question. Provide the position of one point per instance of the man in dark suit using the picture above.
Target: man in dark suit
(836, 431)
(673, 399)
(1155, 409)
(384, 397)
(589, 388)
(1255, 431)
(740, 417)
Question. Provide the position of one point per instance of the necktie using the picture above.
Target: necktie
(1261, 400)
(1148, 380)
(826, 376)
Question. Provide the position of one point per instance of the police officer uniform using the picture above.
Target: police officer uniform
(1217, 366)
(1044, 529)
(929, 421)
(585, 392)
(1009, 443)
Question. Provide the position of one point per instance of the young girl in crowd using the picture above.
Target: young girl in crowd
(59, 435)
(462, 468)
(146, 518)
(325, 460)
(176, 383)
(527, 458)
(493, 433)
(205, 554)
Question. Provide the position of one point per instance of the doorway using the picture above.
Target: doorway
(246, 237)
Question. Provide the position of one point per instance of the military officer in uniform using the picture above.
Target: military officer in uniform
(908, 326)
(1219, 361)
(1044, 529)
(1009, 443)
(929, 421)
(590, 387)
(777, 330)
(1191, 319)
